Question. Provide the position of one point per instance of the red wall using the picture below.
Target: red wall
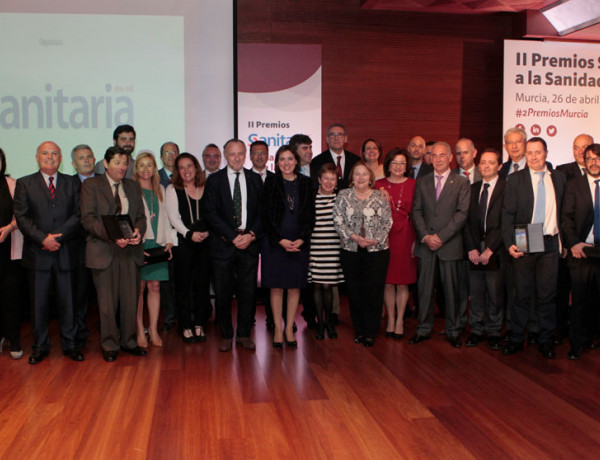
(393, 75)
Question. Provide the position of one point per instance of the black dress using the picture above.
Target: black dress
(287, 215)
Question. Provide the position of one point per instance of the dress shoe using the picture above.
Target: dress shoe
(473, 340)
(359, 339)
(188, 336)
(109, 356)
(136, 351)
(369, 342)
(245, 342)
(533, 338)
(277, 344)
(225, 345)
(75, 355)
(199, 334)
(417, 338)
(512, 348)
(291, 343)
(389, 334)
(37, 357)
(495, 343)
(331, 332)
(547, 351)
(455, 341)
(507, 335)
(320, 335)
(575, 353)
(16, 354)
(397, 336)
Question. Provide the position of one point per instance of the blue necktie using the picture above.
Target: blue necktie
(540, 205)
(597, 213)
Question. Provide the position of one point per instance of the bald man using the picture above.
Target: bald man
(47, 210)
(577, 168)
(416, 150)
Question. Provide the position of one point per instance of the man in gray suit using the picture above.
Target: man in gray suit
(46, 207)
(465, 157)
(440, 209)
(115, 264)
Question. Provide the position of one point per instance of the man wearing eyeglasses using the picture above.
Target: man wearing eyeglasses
(514, 144)
(580, 224)
(343, 159)
(168, 154)
(211, 157)
(534, 195)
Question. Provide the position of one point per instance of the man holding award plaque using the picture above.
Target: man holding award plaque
(530, 218)
(112, 212)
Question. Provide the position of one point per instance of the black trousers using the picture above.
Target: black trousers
(585, 288)
(238, 272)
(537, 274)
(364, 273)
(11, 301)
(83, 292)
(192, 283)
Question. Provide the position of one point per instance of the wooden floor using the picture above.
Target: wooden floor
(329, 399)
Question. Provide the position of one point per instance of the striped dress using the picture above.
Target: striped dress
(325, 265)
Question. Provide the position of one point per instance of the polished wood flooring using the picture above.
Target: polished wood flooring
(328, 399)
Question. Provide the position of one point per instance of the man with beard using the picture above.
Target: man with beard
(124, 138)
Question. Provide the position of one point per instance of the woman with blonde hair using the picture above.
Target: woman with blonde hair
(159, 234)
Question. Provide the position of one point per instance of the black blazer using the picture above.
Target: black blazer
(274, 203)
(325, 157)
(220, 213)
(577, 216)
(518, 201)
(424, 170)
(507, 166)
(473, 233)
(570, 170)
(38, 215)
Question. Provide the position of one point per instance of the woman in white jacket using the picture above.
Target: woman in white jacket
(159, 234)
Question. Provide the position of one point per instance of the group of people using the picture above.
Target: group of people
(382, 224)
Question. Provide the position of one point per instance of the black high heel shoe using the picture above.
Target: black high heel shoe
(290, 343)
(278, 345)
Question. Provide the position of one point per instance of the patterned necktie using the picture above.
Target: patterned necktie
(540, 205)
(117, 198)
(339, 167)
(51, 188)
(515, 167)
(483, 200)
(237, 200)
(597, 213)
(438, 186)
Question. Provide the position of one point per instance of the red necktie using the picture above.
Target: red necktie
(466, 173)
(51, 188)
(339, 167)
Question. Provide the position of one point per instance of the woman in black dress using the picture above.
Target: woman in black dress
(287, 216)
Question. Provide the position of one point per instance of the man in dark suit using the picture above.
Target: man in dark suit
(514, 144)
(344, 160)
(124, 138)
(440, 208)
(577, 168)
(168, 154)
(46, 206)
(486, 253)
(571, 170)
(416, 150)
(534, 195)
(83, 160)
(115, 264)
(232, 198)
(580, 224)
(211, 158)
(302, 145)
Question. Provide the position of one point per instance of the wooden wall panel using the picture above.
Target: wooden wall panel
(393, 75)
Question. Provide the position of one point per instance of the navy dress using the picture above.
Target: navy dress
(279, 268)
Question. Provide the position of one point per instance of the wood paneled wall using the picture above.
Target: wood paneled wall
(393, 75)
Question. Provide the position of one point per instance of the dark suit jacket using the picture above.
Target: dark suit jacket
(507, 166)
(570, 170)
(97, 199)
(423, 170)
(577, 216)
(445, 217)
(517, 207)
(274, 203)
(325, 157)
(220, 213)
(473, 233)
(165, 180)
(38, 215)
(477, 174)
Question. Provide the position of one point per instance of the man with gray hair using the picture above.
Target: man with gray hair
(514, 144)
